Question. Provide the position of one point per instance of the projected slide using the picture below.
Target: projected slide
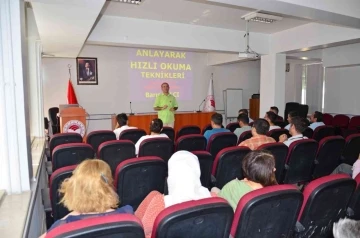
(149, 68)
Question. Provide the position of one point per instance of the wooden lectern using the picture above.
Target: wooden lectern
(73, 119)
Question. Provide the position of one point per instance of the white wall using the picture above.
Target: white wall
(112, 94)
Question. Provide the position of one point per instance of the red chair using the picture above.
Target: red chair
(228, 165)
(63, 138)
(353, 128)
(351, 149)
(169, 131)
(191, 143)
(71, 154)
(220, 141)
(280, 152)
(276, 133)
(300, 161)
(136, 178)
(244, 136)
(308, 133)
(188, 130)
(323, 131)
(206, 128)
(95, 138)
(341, 121)
(355, 201)
(267, 212)
(328, 155)
(161, 147)
(232, 126)
(206, 161)
(132, 134)
(325, 202)
(119, 225)
(115, 151)
(328, 119)
(204, 218)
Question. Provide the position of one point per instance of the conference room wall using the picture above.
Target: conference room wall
(342, 90)
(112, 94)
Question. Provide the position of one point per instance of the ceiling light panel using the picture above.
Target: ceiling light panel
(261, 17)
(135, 2)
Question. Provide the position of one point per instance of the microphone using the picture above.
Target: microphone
(131, 113)
(201, 104)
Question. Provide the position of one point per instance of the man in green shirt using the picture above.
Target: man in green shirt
(166, 105)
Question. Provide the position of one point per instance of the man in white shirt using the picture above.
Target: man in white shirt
(316, 120)
(156, 127)
(246, 112)
(244, 125)
(289, 118)
(121, 125)
(271, 118)
(297, 127)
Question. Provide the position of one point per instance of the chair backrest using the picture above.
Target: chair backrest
(325, 202)
(95, 138)
(308, 132)
(228, 164)
(56, 178)
(355, 200)
(162, 147)
(132, 134)
(244, 136)
(328, 155)
(118, 225)
(351, 149)
(232, 126)
(136, 178)
(188, 130)
(116, 151)
(210, 217)
(354, 123)
(169, 131)
(341, 120)
(70, 154)
(205, 128)
(321, 132)
(300, 161)
(280, 152)
(191, 143)
(220, 141)
(276, 133)
(206, 161)
(54, 120)
(267, 212)
(328, 119)
(63, 138)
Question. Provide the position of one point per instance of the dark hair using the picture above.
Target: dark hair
(243, 118)
(272, 116)
(262, 126)
(275, 109)
(258, 166)
(319, 116)
(245, 111)
(156, 125)
(217, 119)
(293, 114)
(122, 119)
(300, 124)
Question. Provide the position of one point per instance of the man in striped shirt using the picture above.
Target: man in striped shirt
(258, 131)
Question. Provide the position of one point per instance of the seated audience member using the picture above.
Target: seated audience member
(89, 193)
(258, 131)
(243, 123)
(316, 120)
(346, 228)
(274, 110)
(291, 115)
(259, 171)
(122, 124)
(216, 122)
(297, 127)
(271, 118)
(183, 184)
(156, 127)
(246, 112)
(352, 171)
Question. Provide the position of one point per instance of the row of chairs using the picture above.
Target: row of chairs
(275, 211)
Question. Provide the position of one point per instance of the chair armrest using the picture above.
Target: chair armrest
(45, 194)
(299, 227)
(48, 167)
(350, 212)
(287, 167)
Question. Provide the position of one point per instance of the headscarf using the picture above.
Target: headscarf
(184, 179)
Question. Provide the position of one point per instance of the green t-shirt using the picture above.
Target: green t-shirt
(233, 192)
(166, 115)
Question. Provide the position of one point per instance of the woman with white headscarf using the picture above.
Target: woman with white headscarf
(183, 184)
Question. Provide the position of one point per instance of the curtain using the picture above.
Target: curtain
(314, 87)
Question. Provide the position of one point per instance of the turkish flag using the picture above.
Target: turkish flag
(71, 96)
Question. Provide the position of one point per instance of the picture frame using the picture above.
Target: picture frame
(87, 72)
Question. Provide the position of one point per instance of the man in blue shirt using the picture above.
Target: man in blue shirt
(216, 122)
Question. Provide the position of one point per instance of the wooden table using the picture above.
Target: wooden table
(142, 121)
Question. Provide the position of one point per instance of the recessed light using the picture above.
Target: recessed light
(261, 17)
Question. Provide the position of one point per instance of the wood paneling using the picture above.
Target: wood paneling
(254, 105)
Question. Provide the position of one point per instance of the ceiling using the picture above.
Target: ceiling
(191, 12)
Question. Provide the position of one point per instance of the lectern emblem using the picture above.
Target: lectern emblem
(75, 126)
